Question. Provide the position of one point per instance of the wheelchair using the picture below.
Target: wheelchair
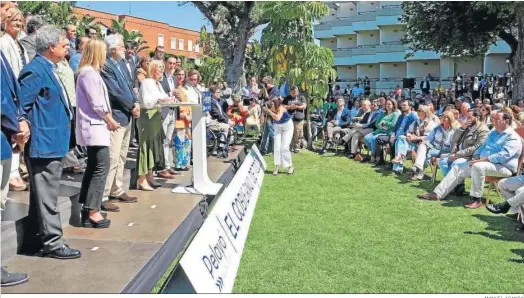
(217, 144)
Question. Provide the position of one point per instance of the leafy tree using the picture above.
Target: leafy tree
(468, 29)
(134, 35)
(57, 13)
(233, 23)
(211, 64)
(256, 61)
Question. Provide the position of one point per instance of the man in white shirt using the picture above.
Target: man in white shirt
(169, 84)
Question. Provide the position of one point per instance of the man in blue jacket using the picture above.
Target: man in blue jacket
(45, 106)
(338, 125)
(404, 121)
(11, 134)
(125, 105)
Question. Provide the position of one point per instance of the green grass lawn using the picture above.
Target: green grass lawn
(339, 226)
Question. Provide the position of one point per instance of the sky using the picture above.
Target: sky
(186, 16)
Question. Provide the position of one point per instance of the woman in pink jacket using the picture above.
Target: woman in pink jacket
(93, 125)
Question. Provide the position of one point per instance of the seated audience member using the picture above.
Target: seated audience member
(438, 142)
(339, 124)
(355, 109)
(478, 104)
(360, 127)
(513, 193)
(442, 106)
(514, 122)
(464, 109)
(404, 121)
(253, 116)
(237, 112)
(498, 156)
(485, 115)
(385, 124)
(219, 119)
(416, 132)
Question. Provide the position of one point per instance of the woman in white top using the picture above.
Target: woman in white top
(151, 134)
(253, 118)
(17, 57)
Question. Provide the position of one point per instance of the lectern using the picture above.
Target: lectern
(202, 185)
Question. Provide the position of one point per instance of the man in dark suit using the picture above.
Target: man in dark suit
(220, 121)
(46, 107)
(125, 105)
(10, 135)
(131, 65)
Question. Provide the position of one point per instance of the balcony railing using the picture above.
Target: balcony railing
(346, 48)
(366, 46)
(392, 6)
(369, 12)
(396, 42)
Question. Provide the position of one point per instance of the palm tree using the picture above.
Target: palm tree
(134, 35)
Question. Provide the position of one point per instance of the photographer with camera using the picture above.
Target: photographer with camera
(283, 126)
(296, 106)
(269, 91)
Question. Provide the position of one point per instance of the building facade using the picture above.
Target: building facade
(176, 41)
(365, 40)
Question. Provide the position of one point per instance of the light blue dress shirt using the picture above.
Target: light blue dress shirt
(502, 148)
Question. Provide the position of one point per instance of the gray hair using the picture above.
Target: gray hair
(467, 105)
(113, 40)
(35, 23)
(47, 36)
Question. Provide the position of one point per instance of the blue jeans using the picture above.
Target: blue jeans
(445, 164)
(370, 142)
(266, 137)
(402, 146)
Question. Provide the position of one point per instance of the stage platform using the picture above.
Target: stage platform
(129, 257)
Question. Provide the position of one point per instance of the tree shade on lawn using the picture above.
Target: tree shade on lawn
(339, 226)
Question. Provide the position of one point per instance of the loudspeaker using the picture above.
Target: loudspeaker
(405, 83)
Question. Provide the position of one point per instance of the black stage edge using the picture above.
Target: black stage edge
(147, 278)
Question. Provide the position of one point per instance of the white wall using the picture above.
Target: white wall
(468, 66)
(447, 68)
(366, 38)
(417, 68)
(387, 33)
(347, 73)
(495, 64)
(390, 71)
(347, 41)
(363, 6)
(346, 9)
(386, 3)
(372, 72)
(329, 43)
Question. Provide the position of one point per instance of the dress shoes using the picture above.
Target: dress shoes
(109, 207)
(88, 223)
(64, 253)
(520, 228)
(165, 174)
(172, 172)
(124, 198)
(13, 278)
(498, 208)
(154, 184)
(477, 203)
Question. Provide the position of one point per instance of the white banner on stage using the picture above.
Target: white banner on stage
(212, 259)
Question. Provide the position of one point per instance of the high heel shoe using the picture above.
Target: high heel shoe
(154, 184)
(89, 223)
(144, 186)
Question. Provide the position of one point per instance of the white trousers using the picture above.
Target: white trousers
(477, 172)
(15, 164)
(282, 140)
(168, 124)
(512, 190)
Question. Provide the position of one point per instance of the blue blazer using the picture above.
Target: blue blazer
(119, 89)
(44, 104)
(411, 118)
(345, 116)
(374, 116)
(10, 91)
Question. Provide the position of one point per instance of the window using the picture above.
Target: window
(181, 44)
(197, 48)
(189, 45)
(173, 43)
(160, 41)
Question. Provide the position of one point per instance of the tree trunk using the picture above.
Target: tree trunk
(233, 46)
(517, 61)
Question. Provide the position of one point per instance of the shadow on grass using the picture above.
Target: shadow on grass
(519, 252)
(503, 228)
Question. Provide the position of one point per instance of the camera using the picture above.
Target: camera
(267, 104)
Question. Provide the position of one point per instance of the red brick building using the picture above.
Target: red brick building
(176, 41)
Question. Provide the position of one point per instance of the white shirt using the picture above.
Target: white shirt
(150, 93)
(193, 95)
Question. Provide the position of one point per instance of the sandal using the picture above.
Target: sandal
(275, 172)
(291, 171)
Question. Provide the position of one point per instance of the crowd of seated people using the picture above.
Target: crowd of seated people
(461, 137)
